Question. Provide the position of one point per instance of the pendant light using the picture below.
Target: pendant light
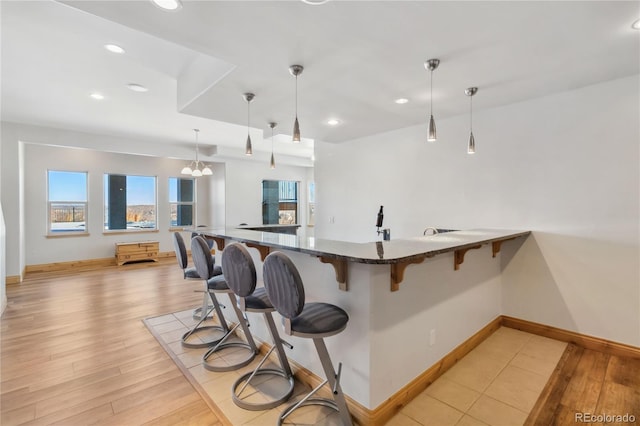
(431, 65)
(273, 160)
(471, 149)
(248, 149)
(295, 71)
(197, 168)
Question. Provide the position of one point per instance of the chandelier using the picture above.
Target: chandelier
(197, 168)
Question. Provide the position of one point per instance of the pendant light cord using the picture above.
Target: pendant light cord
(471, 113)
(431, 90)
(248, 116)
(196, 149)
(296, 96)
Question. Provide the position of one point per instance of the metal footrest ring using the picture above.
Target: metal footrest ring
(255, 406)
(311, 401)
(221, 368)
(204, 344)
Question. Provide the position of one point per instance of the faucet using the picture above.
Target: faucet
(430, 228)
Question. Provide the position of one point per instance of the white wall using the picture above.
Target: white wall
(40, 158)
(233, 194)
(564, 166)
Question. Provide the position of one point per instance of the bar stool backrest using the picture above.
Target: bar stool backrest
(180, 249)
(202, 257)
(283, 284)
(239, 270)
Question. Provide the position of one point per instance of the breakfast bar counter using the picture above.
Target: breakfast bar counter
(392, 336)
(397, 253)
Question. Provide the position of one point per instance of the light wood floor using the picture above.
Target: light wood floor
(75, 351)
(587, 381)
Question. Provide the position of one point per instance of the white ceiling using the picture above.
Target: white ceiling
(358, 56)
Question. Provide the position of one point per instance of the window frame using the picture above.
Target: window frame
(67, 233)
(106, 204)
(282, 201)
(193, 203)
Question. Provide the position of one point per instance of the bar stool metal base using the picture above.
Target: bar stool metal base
(262, 405)
(221, 368)
(197, 312)
(223, 328)
(305, 403)
(204, 344)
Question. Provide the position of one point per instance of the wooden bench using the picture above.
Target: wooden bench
(135, 251)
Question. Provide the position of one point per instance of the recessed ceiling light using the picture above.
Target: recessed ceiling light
(168, 4)
(315, 2)
(401, 101)
(636, 25)
(333, 122)
(137, 87)
(114, 48)
(97, 96)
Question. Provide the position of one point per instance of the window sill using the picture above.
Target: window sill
(67, 235)
(179, 228)
(131, 231)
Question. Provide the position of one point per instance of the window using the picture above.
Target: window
(129, 202)
(67, 202)
(279, 202)
(181, 201)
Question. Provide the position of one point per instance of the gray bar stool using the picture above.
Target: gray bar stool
(190, 272)
(204, 264)
(240, 272)
(311, 320)
(206, 271)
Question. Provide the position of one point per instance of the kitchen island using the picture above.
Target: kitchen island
(392, 336)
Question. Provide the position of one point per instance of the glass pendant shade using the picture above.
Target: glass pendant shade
(431, 137)
(472, 144)
(248, 148)
(186, 170)
(296, 131)
(273, 161)
(207, 171)
(196, 173)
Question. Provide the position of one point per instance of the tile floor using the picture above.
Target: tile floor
(496, 384)
(217, 385)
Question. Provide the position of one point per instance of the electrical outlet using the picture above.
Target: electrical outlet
(432, 337)
(332, 219)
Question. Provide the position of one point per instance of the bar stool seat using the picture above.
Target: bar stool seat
(279, 384)
(309, 320)
(258, 301)
(217, 283)
(319, 320)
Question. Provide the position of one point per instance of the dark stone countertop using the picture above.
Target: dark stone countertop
(377, 252)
